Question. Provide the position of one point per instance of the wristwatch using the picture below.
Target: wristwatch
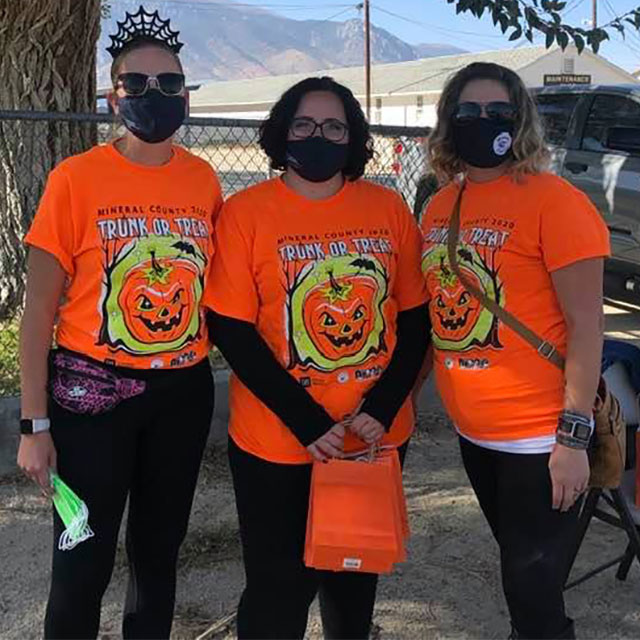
(574, 430)
(29, 426)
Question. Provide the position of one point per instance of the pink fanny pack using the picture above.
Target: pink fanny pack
(84, 386)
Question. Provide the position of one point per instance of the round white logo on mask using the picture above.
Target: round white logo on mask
(502, 143)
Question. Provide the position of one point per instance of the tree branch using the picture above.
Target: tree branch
(525, 17)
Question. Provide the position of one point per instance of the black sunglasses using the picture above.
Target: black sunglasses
(137, 84)
(468, 112)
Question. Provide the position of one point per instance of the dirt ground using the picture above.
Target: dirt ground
(449, 588)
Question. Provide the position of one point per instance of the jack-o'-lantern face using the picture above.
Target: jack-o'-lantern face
(339, 316)
(152, 291)
(458, 320)
(457, 311)
(156, 302)
(336, 313)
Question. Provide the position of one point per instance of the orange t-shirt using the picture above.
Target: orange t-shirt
(494, 385)
(135, 242)
(323, 282)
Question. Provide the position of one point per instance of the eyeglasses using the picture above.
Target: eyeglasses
(137, 84)
(468, 112)
(331, 129)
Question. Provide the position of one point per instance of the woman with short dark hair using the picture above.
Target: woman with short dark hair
(319, 306)
(274, 133)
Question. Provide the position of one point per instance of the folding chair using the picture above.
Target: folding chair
(615, 507)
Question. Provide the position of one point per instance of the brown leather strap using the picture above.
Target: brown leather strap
(544, 348)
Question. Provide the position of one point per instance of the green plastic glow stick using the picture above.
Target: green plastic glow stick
(73, 512)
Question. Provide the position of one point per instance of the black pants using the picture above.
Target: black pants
(272, 502)
(514, 491)
(148, 449)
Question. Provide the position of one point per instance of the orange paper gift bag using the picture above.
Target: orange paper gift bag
(392, 455)
(355, 516)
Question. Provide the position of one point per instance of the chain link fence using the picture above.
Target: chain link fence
(30, 143)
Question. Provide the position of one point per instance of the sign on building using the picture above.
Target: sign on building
(566, 78)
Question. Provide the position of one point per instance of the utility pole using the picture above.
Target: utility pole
(367, 56)
(595, 14)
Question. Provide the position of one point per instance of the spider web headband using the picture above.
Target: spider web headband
(143, 26)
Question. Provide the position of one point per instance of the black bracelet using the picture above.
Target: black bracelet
(574, 430)
(568, 441)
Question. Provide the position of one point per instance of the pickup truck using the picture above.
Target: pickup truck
(594, 133)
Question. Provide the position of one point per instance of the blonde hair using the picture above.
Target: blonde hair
(530, 152)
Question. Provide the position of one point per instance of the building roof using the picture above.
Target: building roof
(417, 76)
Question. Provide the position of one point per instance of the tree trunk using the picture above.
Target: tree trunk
(47, 63)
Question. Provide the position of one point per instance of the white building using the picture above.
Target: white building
(405, 93)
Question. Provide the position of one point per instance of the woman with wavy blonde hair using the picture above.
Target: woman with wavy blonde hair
(533, 245)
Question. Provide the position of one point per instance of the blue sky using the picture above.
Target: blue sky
(436, 21)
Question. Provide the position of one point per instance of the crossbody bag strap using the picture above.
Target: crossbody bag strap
(544, 348)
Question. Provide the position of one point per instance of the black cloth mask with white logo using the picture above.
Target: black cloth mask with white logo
(152, 117)
(316, 159)
(483, 143)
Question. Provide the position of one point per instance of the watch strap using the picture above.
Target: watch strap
(574, 430)
(30, 426)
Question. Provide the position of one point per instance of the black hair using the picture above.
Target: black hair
(140, 42)
(275, 129)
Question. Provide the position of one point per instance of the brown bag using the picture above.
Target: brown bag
(607, 449)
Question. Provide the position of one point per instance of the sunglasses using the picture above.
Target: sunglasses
(468, 112)
(137, 84)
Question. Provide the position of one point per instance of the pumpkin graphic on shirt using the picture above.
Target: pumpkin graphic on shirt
(459, 321)
(151, 297)
(335, 312)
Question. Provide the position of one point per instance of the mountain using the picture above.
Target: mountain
(225, 41)
(424, 50)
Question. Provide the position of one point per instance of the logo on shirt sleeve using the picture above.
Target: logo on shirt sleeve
(335, 312)
(151, 295)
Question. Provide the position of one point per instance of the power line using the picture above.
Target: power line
(486, 44)
(428, 26)
(213, 4)
(425, 78)
(340, 13)
(634, 49)
(572, 7)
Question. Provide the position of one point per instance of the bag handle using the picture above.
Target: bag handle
(544, 348)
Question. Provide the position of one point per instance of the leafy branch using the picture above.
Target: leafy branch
(525, 17)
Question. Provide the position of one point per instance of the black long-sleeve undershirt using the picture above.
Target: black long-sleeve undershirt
(386, 397)
(257, 368)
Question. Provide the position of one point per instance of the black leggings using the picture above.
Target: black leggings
(272, 501)
(514, 491)
(148, 449)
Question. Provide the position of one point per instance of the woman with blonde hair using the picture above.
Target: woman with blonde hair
(533, 245)
(121, 408)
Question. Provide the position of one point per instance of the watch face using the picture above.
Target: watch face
(565, 426)
(582, 432)
(26, 426)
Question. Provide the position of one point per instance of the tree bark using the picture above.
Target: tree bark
(47, 63)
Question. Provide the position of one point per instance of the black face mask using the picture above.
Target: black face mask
(152, 117)
(316, 159)
(483, 143)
